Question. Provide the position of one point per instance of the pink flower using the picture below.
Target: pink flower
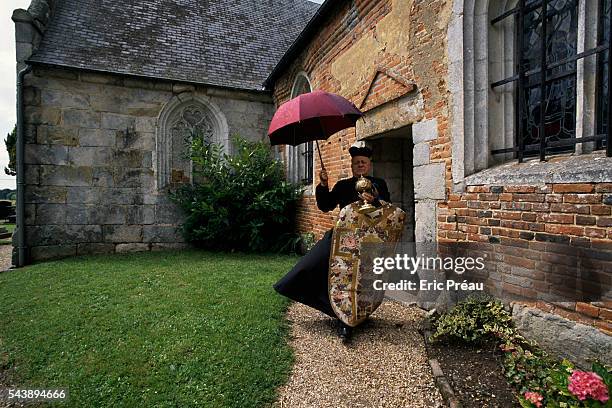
(534, 398)
(585, 385)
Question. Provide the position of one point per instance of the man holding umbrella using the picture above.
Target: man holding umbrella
(316, 116)
(307, 282)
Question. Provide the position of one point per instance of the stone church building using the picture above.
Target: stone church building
(451, 92)
(115, 89)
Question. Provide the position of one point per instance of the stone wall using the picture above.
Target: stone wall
(92, 152)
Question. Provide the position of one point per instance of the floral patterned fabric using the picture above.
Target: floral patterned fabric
(351, 278)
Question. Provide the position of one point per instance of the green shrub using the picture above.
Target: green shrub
(240, 201)
(475, 319)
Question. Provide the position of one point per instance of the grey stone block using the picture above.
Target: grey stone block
(32, 174)
(117, 121)
(420, 154)
(59, 135)
(41, 116)
(81, 118)
(82, 195)
(47, 252)
(126, 196)
(65, 176)
(89, 156)
(153, 199)
(122, 233)
(95, 248)
(30, 132)
(141, 178)
(63, 99)
(97, 137)
(77, 214)
(108, 214)
(45, 194)
(562, 337)
(168, 214)
(132, 247)
(42, 154)
(31, 96)
(521, 281)
(136, 140)
(29, 211)
(166, 247)
(425, 221)
(83, 233)
(429, 181)
(131, 158)
(103, 177)
(140, 214)
(51, 214)
(425, 131)
(44, 235)
(158, 233)
(146, 124)
(582, 168)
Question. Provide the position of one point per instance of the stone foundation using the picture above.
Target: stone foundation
(579, 343)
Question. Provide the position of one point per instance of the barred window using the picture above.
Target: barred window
(531, 83)
(546, 77)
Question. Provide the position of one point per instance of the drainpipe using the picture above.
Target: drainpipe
(20, 227)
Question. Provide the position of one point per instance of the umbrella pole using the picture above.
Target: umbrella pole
(320, 158)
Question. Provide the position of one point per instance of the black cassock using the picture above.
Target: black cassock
(307, 281)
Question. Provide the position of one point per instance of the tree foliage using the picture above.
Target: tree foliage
(11, 147)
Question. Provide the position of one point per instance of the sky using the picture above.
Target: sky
(8, 78)
(7, 82)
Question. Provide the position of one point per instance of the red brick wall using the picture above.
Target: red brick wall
(425, 66)
(566, 213)
(526, 217)
(534, 228)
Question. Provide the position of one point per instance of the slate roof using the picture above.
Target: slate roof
(229, 43)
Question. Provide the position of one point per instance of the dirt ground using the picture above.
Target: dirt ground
(475, 373)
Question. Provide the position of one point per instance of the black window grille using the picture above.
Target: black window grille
(308, 162)
(603, 82)
(546, 56)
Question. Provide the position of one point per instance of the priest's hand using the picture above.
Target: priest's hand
(323, 177)
(368, 197)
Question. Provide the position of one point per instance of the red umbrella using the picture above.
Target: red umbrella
(311, 116)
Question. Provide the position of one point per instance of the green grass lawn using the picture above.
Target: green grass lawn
(165, 329)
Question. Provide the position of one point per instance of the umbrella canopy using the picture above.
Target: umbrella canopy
(311, 116)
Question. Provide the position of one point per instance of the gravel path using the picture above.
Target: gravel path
(6, 252)
(385, 365)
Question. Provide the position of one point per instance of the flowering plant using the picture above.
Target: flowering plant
(585, 385)
(534, 397)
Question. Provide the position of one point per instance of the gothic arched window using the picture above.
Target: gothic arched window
(183, 118)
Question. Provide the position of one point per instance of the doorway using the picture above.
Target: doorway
(392, 161)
